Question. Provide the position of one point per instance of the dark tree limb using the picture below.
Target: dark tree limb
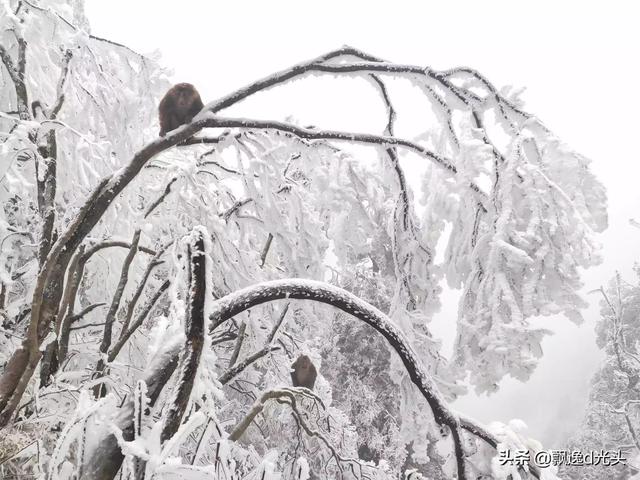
(194, 330)
(265, 250)
(144, 313)
(161, 198)
(64, 72)
(238, 345)
(17, 74)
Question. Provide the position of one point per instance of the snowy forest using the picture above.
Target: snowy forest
(162, 297)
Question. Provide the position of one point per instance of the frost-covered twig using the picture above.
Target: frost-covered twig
(159, 200)
(232, 372)
(85, 311)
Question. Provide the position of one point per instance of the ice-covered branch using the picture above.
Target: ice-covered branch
(241, 300)
(281, 77)
(17, 75)
(194, 332)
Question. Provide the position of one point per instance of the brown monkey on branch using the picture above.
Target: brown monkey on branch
(179, 105)
(303, 373)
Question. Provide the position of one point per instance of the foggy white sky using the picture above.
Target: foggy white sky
(578, 60)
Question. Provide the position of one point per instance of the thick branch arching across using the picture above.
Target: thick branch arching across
(241, 300)
(237, 302)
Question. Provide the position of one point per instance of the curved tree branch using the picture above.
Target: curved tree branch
(241, 300)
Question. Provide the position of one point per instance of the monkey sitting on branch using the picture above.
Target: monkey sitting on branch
(179, 105)
(303, 372)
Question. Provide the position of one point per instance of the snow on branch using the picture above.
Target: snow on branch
(194, 333)
(241, 300)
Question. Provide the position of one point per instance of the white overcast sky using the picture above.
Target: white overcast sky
(579, 61)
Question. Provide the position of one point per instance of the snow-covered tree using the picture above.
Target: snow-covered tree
(612, 418)
(155, 291)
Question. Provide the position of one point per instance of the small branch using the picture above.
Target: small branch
(265, 250)
(159, 200)
(113, 243)
(61, 82)
(154, 262)
(126, 334)
(229, 375)
(276, 327)
(85, 311)
(87, 325)
(239, 204)
(202, 141)
(238, 346)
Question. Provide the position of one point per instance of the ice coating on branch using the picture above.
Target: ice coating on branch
(519, 254)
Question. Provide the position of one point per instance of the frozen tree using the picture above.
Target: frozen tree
(612, 418)
(155, 291)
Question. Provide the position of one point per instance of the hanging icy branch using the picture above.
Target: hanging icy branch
(194, 331)
(403, 211)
